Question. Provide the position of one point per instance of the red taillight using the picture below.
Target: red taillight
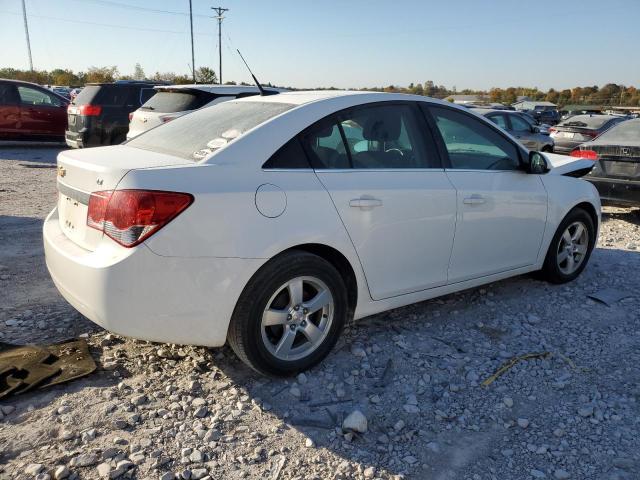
(131, 216)
(131, 116)
(586, 154)
(551, 130)
(90, 110)
(167, 118)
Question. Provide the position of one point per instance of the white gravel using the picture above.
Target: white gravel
(414, 374)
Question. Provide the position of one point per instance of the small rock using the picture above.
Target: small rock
(561, 474)
(295, 391)
(309, 443)
(61, 472)
(196, 456)
(356, 422)
(537, 473)
(104, 469)
(301, 378)
(508, 401)
(399, 425)
(198, 473)
(168, 476)
(585, 411)
(33, 469)
(523, 422)
(358, 351)
(63, 409)
(84, 460)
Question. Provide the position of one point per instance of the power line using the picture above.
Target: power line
(220, 17)
(112, 25)
(136, 7)
(26, 31)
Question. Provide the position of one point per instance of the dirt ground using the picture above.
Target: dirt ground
(174, 412)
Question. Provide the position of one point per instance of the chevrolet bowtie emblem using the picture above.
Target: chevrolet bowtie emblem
(61, 171)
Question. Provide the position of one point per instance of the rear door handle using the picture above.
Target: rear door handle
(474, 199)
(365, 202)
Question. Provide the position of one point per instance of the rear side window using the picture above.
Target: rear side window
(171, 102)
(471, 144)
(499, 120)
(291, 155)
(372, 137)
(199, 134)
(8, 94)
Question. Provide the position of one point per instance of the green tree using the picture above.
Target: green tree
(138, 72)
(102, 74)
(206, 75)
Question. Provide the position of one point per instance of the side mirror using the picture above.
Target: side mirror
(538, 163)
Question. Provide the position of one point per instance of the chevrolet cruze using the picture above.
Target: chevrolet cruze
(270, 222)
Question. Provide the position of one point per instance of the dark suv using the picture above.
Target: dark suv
(99, 115)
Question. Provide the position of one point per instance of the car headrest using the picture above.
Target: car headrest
(382, 129)
(325, 132)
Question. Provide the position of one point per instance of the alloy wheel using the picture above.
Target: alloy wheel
(572, 247)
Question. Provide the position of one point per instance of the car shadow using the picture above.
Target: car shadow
(629, 215)
(378, 363)
(34, 152)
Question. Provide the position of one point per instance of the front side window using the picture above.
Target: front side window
(471, 144)
(519, 124)
(32, 96)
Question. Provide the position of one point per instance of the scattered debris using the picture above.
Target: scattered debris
(509, 364)
(609, 296)
(23, 368)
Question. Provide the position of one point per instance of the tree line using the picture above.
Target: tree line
(609, 94)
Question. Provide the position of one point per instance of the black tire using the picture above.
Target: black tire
(245, 329)
(551, 271)
(547, 149)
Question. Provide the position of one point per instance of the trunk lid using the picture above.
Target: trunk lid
(617, 161)
(81, 172)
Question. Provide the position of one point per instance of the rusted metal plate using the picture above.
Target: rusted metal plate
(23, 368)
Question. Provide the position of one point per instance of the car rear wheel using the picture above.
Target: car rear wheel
(570, 247)
(289, 315)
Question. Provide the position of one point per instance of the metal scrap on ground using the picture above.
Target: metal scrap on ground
(25, 367)
(510, 363)
(609, 296)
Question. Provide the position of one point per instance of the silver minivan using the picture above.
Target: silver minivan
(520, 127)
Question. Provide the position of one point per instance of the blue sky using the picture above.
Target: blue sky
(348, 43)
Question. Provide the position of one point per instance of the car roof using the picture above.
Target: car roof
(302, 97)
(215, 88)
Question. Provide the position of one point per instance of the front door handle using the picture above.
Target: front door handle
(474, 199)
(365, 202)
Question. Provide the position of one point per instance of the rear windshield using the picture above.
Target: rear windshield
(170, 102)
(198, 134)
(625, 132)
(586, 121)
(102, 95)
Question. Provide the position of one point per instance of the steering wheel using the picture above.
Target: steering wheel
(395, 150)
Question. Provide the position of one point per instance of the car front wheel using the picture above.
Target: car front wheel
(290, 314)
(570, 247)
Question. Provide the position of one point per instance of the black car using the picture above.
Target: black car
(550, 117)
(570, 133)
(616, 173)
(99, 115)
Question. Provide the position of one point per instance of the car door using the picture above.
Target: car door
(394, 198)
(41, 113)
(501, 209)
(523, 131)
(9, 110)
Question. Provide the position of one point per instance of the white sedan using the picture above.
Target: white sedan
(270, 222)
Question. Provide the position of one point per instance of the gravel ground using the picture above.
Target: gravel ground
(400, 397)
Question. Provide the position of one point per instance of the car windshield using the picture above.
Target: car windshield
(586, 121)
(198, 134)
(624, 132)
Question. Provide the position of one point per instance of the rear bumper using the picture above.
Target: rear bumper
(623, 192)
(137, 293)
(82, 139)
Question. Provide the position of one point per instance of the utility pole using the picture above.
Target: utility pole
(193, 57)
(219, 11)
(26, 31)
